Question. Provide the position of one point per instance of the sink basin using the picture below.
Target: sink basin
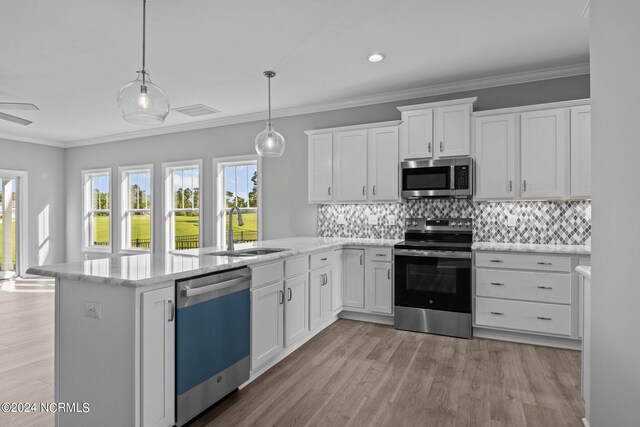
(247, 252)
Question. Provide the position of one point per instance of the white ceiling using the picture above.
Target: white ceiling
(70, 57)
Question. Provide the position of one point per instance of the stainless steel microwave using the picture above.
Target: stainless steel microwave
(437, 178)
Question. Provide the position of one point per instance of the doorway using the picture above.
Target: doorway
(13, 185)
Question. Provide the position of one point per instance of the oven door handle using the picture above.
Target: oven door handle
(433, 254)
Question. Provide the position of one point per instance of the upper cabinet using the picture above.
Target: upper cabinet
(436, 130)
(354, 164)
(581, 151)
(534, 152)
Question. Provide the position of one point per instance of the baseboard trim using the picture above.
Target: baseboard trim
(524, 338)
(368, 317)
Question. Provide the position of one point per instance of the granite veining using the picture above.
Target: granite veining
(531, 247)
(151, 269)
(584, 270)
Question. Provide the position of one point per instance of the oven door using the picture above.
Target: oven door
(438, 280)
(427, 179)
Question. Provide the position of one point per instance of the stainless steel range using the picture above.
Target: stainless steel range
(433, 277)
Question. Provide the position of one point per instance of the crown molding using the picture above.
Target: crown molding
(407, 94)
(526, 108)
(473, 101)
(33, 140)
(354, 127)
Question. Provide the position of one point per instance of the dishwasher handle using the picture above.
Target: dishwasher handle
(192, 292)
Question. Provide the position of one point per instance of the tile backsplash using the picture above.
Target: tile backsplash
(562, 223)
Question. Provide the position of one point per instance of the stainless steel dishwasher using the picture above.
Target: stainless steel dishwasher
(212, 339)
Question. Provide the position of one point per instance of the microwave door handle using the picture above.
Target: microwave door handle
(452, 180)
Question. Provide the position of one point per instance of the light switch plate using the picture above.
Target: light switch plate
(342, 220)
(92, 309)
(372, 219)
(512, 220)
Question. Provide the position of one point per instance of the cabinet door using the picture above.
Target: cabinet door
(416, 134)
(581, 151)
(158, 357)
(544, 146)
(316, 279)
(321, 168)
(496, 157)
(383, 163)
(267, 328)
(336, 283)
(350, 166)
(452, 130)
(353, 278)
(326, 294)
(296, 319)
(379, 287)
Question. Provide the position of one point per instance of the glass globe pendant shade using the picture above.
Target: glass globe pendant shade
(143, 102)
(269, 142)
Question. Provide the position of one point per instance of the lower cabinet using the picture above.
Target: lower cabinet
(296, 309)
(158, 357)
(267, 323)
(353, 278)
(337, 291)
(319, 296)
(379, 287)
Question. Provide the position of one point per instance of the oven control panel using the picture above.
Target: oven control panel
(438, 224)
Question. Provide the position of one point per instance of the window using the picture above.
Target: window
(238, 184)
(182, 205)
(97, 210)
(136, 206)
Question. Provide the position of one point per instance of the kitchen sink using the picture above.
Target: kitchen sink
(247, 252)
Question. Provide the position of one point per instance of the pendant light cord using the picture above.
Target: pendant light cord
(144, 40)
(269, 90)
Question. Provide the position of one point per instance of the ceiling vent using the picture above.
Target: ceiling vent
(196, 110)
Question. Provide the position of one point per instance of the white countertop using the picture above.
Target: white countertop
(531, 247)
(150, 269)
(584, 270)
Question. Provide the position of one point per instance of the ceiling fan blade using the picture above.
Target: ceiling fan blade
(17, 106)
(14, 119)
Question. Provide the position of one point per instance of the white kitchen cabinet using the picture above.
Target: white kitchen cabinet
(379, 286)
(296, 308)
(452, 130)
(319, 297)
(496, 145)
(267, 323)
(383, 164)
(350, 166)
(544, 153)
(353, 278)
(435, 130)
(336, 282)
(581, 151)
(158, 357)
(417, 134)
(321, 168)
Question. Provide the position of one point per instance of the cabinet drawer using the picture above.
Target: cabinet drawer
(379, 254)
(321, 259)
(524, 285)
(265, 274)
(296, 266)
(541, 262)
(524, 316)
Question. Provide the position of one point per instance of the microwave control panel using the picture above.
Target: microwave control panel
(461, 177)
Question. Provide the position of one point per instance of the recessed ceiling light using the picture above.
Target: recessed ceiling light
(376, 57)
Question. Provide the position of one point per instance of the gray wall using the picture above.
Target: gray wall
(615, 352)
(285, 208)
(46, 188)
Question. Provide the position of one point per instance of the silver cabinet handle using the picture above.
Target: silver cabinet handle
(545, 263)
(510, 186)
(429, 147)
(544, 318)
(496, 260)
(329, 191)
(544, 287)
(524, 185)
(389, 274)
(497, 284)
(323, 259)
(364, 188)
(497, 313)
(441, 146)
(360, 259)
(290, 294)
(172, 311)
(374, 190)
(281, 297)
(381, 254)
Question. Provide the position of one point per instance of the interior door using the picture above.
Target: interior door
(496, 157)
(350, 162)
(383, 163)
(452, 130)
(321, 168)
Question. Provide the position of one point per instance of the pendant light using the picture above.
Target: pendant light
(269, 143)
(141, 101)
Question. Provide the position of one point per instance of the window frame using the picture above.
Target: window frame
(167, 200)
(87, 230)
(123, 174)
(219, 201)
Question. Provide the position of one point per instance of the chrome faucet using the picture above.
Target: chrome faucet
(230, 230)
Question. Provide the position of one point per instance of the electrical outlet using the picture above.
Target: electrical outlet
(372, 219)
(512, 220)
(92, 309)
(342, 220)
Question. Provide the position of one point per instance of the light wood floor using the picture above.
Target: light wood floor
(352, 373)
